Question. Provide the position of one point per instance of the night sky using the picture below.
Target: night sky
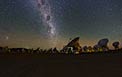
(50, 23)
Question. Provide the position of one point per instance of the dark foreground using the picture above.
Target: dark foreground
(60, 65)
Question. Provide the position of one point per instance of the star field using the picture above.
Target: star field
(22, 22)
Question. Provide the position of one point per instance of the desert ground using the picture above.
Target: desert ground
(60, 65)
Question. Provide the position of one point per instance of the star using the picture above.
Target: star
(6, 37)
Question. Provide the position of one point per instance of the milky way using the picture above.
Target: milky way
(47, 18)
